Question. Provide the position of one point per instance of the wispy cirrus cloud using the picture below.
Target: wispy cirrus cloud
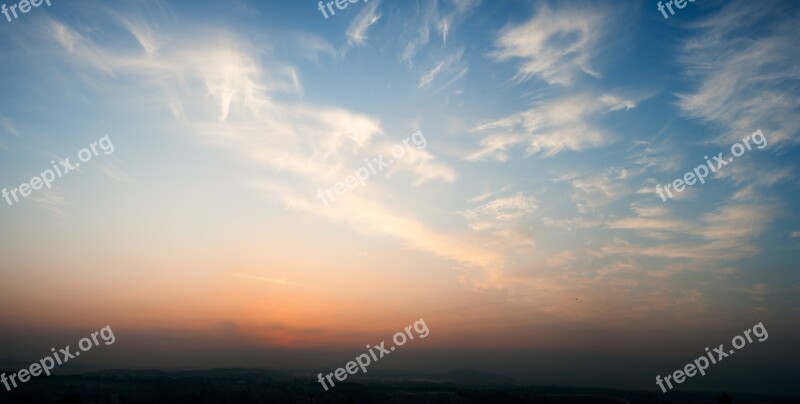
(504, 218)
(281, 281)
(723, 235)
(8, 125)
(438, 16)
(555, 44)
(231, 93)
(312, 146)
(550, 127)
(357, 31)
(451, 67)
(590, 192)
(754, 87)
(614, 103)
(569, 223)
(504, 208)
(311, 46)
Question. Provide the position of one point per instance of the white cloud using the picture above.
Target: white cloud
(593, 191)
(111, 168)
(486, 195)
(7, 124)
(459, 8)
(311, 46)
(496, 147)
(614, 103)
(437, 16)
(357, 31)
(660, 157)
(570, 223)
(503, 209)
(555, 45)
(451, 66)
(754, 174)
(311, 146)
(747, 77)
(725, 234)
(550, 127)
(143, 34)
(503, 217)
(51, 200)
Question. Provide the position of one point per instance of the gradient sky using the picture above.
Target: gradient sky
(527, 233)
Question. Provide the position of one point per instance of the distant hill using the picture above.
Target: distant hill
(242, 385)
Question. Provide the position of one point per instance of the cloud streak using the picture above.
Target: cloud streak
(555, 45)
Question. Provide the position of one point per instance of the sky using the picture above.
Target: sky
(276, 189)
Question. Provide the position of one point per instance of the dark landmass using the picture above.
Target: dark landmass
(238, 386)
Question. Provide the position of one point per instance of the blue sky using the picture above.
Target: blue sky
(548, 126)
